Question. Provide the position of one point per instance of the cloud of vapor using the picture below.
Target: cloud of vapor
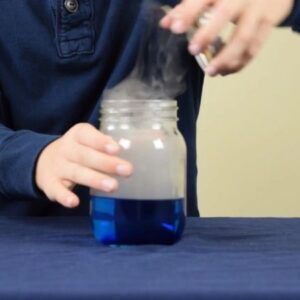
(161, 64)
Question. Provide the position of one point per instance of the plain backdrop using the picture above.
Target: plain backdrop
(249, 136)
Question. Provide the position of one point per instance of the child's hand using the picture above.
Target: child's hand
(254, 20)
(81, 156)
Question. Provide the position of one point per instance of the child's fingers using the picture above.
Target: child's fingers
(89, 136)
(99, 161)
(89, 178)
(62, 195)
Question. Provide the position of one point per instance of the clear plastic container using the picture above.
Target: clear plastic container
(149, 206)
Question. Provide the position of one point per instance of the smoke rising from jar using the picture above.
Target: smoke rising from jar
(161, 65)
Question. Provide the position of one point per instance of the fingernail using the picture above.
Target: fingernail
(178, 26)
(211, 70)
(108, 185)
(111, 148)
(124, 170)
(70, 201)
(194, 48)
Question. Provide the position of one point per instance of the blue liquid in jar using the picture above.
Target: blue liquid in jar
(131, 222)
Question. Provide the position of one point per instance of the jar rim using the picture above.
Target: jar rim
(139, 109)
(162, 102)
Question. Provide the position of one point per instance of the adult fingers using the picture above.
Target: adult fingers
(235, 54)
(184, 15)
(222, 13)
(263, 33)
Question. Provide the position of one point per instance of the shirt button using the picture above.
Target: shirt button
(71, 6)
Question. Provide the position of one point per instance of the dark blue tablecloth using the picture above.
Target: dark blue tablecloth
(57, 258)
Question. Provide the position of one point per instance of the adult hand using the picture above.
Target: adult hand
(81, 156)
(254, 20)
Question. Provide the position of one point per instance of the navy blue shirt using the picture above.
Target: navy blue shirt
(293, 19)
(54, 67)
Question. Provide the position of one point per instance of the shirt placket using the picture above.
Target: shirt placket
(75, 32)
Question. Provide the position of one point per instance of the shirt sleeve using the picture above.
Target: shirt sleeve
(293, 20)
(19, 151)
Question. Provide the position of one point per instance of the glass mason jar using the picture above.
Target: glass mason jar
(150, 205)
